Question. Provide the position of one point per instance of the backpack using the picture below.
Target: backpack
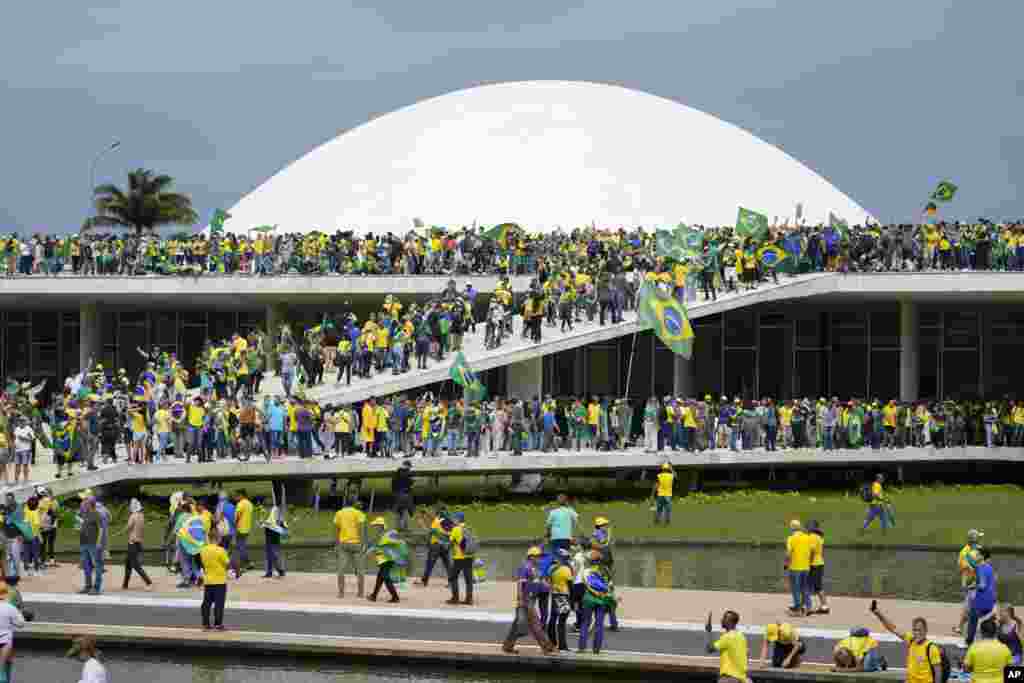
(945, 663)
(865, 493)
(470, 544)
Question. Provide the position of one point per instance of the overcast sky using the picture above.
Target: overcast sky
(882, 98)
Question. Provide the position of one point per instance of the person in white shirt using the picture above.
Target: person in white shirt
(24, 435)
(11, 620)
(93, 671)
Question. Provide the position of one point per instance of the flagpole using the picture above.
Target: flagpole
(629, 371)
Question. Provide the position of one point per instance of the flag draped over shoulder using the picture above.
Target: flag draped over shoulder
(464, 376)
(192, 534)
(944, 191)
(663, 313)
(752, 224)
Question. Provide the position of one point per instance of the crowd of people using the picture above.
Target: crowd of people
(982, 245)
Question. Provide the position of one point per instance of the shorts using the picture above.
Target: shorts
(816, 578)
(781, 650)
(275, 438)
(23, 457)
(139, 437)
(5, 456)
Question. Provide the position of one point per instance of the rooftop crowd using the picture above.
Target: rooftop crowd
(439, 251)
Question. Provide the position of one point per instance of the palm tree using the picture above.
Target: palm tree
(146, 205)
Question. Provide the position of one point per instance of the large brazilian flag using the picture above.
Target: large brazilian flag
(663, 313)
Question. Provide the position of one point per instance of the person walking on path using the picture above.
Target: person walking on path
(243, 527)
(967, 563)
(136, 529)
(816, 577)
(350, 525)
(731, 647)
(526, 620)
(84, 649)
(464, 549)
(384, 560)
(798, 565)
(561, 524)
(561, 582)
(924, 658)
(878, 505)
(439, 547)
(986, 659)
(275, 530)
(663, 495)
(598, 600)
(215, 581)
(983, 603)
(89, 543)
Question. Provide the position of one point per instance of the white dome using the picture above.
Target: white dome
(541, 154)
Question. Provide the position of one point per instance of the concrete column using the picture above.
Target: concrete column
(526, 379)
(684, 380)
(90, 334)
(277, 315)
(910, 357)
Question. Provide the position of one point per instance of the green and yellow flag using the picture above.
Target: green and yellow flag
(771, 256)
(663, 313)
(464, 376)
(752, 224)
(667, 245)
(502, 233)
(944, 191)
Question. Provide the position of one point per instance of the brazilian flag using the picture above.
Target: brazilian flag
(839, 226)
(502, 233)
(464, 376)
(944, 191)
(667, 245)
(752, 224)
(771, 256)
(663, 313)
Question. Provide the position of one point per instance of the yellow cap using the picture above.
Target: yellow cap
(378, 522)
(533, 552)
(601, 521)
(795, 524)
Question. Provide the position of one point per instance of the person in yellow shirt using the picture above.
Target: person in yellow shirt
(243, 527)
(215, 581)
(593, 419)
(816, 578)
(798, 564)
(369, 427)
(462, 560)
(350, 524)
(439, 548)
(786, 646)
(663, 495)
(924, 660)
(858, 652)
(162, 420)
(196, 414)
(878, 505)
(561, 583)
(731, 647)
(889, 414)
(987, 658)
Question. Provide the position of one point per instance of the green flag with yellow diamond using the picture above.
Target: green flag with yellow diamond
(752, 224)
(944, 191)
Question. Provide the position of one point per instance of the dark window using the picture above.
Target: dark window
(774, 355)
(164, 329)
(18, 361)
(69, 350)
(810, 333)
(739, 328)
(132, 317)
(929, 318)
(739, 374)
(223, 325)
(18, 317)
(109, 329)
(809, 376)
(664, 370)
(961, 330)
(885, 329)
(707, 355)
(44, 328)
(602, 370)
(193, 318)
(885, 375)
(44, 360)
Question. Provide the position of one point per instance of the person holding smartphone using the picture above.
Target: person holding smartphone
(924, 659)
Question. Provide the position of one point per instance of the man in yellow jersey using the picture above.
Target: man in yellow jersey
(924, 660)
(798, 564)
(440, 544)
(350, 524)
(816, 578)
(731, 647)
(243, 526)
(987, 658)
(858, 652)
(463, 554)
(663, 495)
(878, 506)
(215, 581)
(786, 646)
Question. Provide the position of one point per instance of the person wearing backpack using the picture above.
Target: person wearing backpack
(464, 549)
(878, 505)
(927, 662)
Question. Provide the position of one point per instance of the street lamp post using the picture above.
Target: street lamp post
(92, 169)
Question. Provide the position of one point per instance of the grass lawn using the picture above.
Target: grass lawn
(937, 516)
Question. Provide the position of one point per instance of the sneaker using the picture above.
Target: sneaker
(85, 591)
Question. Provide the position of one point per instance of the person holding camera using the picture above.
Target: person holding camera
(924, 658)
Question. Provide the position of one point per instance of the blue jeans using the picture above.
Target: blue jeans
(595, 614)
(305, 444)
(662, 509)
(273, 560)
(798, 585)
(92, 564)
(189, 570)
(873, 660)
(826, 436)
(880, 512)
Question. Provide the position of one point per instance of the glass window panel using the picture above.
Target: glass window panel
(70, 317)
(961, 330)
(602, 370)
(772, 318)
(223, 325)
(739, 328)
(664, 370)
(840, 318)
(707, 355)
(885, 375)
(110, 329)
(44, 360)
(563, 368)
(164, 328)
(133, 318)
(69, 350)
(193, 318)
(928, 367)
(192, 339)
(810, 333)
(1007, 378)
(44, 328)
(18, 361)
(885, 329)
(132, 337)
(960, 374)
(929, 318)
(639, 386)
(252, 320)
(849, 367)
(809, 377)
(739, 374)
(18, 317)
(773, 380)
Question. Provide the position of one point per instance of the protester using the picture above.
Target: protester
(924, 658)
(90, 544)
(798, 567)
(967, 563)
(878, 505)
(350, 526)
(384, 559)
(439, 543)
(464, 549)
(11, 619)
(816, 577)
(662, 493)
(787, 647)
(598, 600)
(275, 530)
(243, 527)
(84, 649)
(858, 652)
(561, 580)
(561, 524)
(987, 658)
(731, 647)
(1010, 627)
(526, 620)
(136, 530)
(983, 603)
(215, 578)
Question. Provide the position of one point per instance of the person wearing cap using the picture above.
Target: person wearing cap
(786, 646)
(816, 577)
(561, 581)
(967, 563)
(526, 619)
(384, 561)
(878, 506)
(84, 649)
(49, 513)
(601, 541)
(462, 560)
(984, 600)
(798, 566)
(439, 548)
(663, 494)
